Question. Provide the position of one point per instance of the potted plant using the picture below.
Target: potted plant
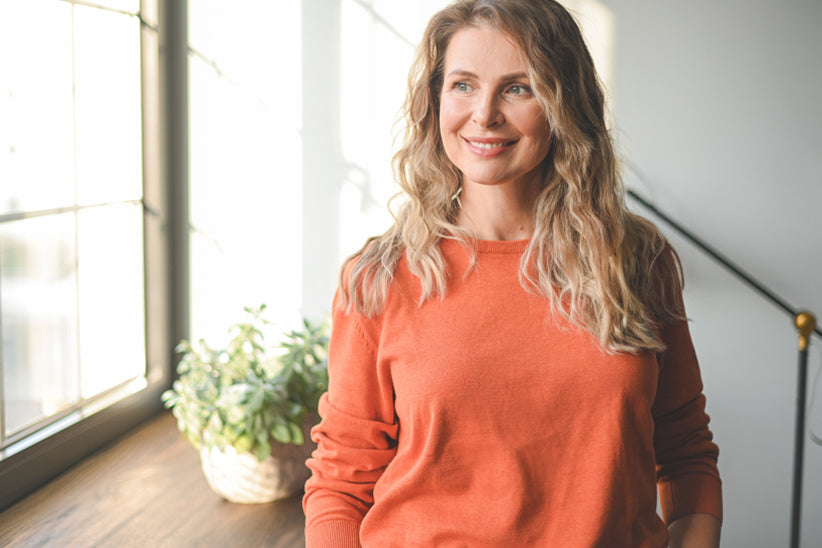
(248, 407)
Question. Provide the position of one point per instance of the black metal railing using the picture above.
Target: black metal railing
(805, 323)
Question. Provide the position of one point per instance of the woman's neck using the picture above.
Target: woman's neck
(498, 212)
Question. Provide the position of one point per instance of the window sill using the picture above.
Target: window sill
(146, 489)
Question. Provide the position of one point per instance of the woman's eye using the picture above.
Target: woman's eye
(518, 89)
(462, 86)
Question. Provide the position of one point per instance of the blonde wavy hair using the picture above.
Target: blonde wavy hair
(601, 267)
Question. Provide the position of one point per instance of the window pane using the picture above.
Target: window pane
(112, 341)
(131, 6)
(38, 292)
(107, 72)
(36, 112)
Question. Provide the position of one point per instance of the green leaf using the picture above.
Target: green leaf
(215, 423)
(281, 433)
(243, 443)
(262, 450)
(297, 437)
(262, 435)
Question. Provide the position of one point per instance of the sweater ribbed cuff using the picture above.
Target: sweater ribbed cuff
(691, 494)
(333, 534)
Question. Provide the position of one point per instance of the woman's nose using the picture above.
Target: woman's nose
(487, 111)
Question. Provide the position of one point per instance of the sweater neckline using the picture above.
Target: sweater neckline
(493, 246)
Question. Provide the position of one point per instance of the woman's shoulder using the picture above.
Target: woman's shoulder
(648, 244)
(369, 277)
(657, 275)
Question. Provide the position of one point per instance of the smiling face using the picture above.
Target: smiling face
(491, 124)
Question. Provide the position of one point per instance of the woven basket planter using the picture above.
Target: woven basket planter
(242, 478)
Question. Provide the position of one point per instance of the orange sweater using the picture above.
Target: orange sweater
(478, 420)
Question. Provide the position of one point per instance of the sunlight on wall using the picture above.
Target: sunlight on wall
(599, 29)
(377, 48)
(246, 104)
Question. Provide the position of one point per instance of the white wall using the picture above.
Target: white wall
(356, 56)
(245, 105)
(716, 104)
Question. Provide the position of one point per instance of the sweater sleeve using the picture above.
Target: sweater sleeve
(686, 456)
(356, 438)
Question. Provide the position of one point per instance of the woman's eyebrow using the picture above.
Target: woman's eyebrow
(515, 76)
(469, 74)
(461, 72)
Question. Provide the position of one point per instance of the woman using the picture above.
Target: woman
(509, 363)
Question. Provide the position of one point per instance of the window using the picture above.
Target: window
(80, 240)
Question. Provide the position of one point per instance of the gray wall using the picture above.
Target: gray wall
(716, 111)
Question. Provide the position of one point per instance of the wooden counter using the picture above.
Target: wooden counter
(146, 490)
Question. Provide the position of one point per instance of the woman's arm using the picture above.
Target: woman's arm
(687, 474)
(356, 438)
(695, 531)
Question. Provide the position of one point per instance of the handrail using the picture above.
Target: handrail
(717, 256)
(805, 323)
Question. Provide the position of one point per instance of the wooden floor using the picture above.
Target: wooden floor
(146, 490)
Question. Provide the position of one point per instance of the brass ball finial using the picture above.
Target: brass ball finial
(805, 323)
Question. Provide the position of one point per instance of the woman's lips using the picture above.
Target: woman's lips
(484, 146)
